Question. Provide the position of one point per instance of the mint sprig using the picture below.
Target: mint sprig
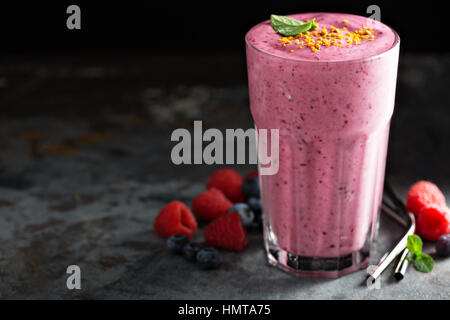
(422, 261)
(290, 27)
(414, 244)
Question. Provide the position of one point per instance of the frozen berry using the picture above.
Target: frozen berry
(250, 187)
(175, 218)
(258, 221)
(244, 211)
(210, 204)
(433, 222)
(208, 258)
(176, 243)
(423, 194)
(443, 246)
(255, 205)
(229, 181)
(190, 251)
(226, 232)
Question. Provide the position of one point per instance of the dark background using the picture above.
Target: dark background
(182, 26)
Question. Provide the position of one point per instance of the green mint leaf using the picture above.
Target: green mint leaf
(290, 27)
(414, 244)
(411, 257)
(424, 263)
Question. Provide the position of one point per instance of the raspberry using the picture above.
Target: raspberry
(210, 204)
(226, 232)
(175, 218)
(229, 181)
(422, 194)
(433, 222)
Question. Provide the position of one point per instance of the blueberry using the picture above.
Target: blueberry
(208, 258)
(247, 216)
(258, 221)
(250, 187)
(190, 251)
(443, 246)
(255, 205)
(176, 243)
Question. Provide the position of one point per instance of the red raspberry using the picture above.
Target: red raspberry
(423, 194)
(251, 174)
(433, 222)
(175, 218)
(226, 232)
(229, 181)
(210, 204)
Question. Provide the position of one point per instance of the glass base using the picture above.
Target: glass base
(325, 267)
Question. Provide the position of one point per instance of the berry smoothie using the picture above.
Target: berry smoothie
(330, 92)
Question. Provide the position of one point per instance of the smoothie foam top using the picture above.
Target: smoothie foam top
(339, 37)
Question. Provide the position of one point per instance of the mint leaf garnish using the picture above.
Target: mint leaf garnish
(290, 27)
(422, 262)
(411, 257)
(414, 244)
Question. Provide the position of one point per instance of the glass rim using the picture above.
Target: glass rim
(395, 44)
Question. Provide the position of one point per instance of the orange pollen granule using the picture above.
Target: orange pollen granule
(328, 36)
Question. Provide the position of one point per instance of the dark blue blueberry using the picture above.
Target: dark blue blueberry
(176, 243)
(258, 221)
(443, 246)
(250, 187)
(208, 258)
(255, 205)
(247, 216)
(190, 251)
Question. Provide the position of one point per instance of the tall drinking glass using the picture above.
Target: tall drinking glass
(332, 105)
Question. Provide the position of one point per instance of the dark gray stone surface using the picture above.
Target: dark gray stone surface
(85, 167)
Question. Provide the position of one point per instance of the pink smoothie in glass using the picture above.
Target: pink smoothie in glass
(333, 108)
